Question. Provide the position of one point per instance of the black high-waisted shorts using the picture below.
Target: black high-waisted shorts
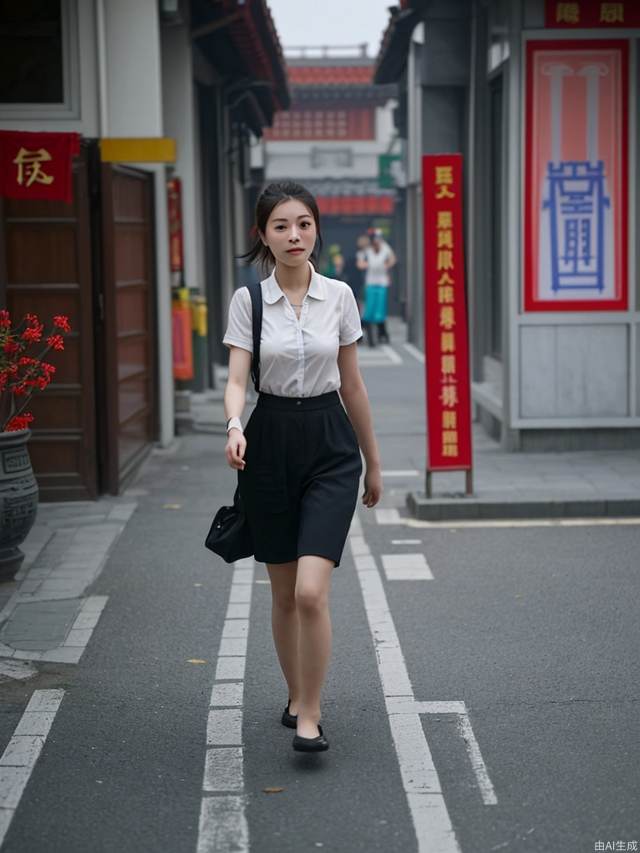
(301, 478)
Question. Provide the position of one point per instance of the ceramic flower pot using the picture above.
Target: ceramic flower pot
(18, 499)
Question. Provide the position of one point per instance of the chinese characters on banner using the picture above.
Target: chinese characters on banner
(37, 165)
(576, 176)
(447, 359)
(592, 13)
(174, 200)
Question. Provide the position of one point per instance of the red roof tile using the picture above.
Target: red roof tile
(356, 205)
(330, 75)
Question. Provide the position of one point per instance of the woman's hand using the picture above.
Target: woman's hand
(234, 450)
(372, 487)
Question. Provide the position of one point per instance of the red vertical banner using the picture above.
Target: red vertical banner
(174, 200)
(445, 316)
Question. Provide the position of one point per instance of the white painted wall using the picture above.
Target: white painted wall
(134, 73)
(181, 123)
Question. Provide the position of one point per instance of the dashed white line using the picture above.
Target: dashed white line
(22, 752)
(387, 516)
(223, 823)
(410, 472)
(406, 567)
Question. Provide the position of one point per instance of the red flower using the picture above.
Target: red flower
(56, 341)
(62, 322)
(32, 334)
(5, 319)
(19, 422)
(10, 347)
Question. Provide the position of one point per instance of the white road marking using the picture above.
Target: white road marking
(406, 567)
(387, 516)
(393, 356)
(531, 522)
(406, 541)
(22, 752)
(223, 769)
(223, 826)
(411, 472)
(432, 824)
(415, 352)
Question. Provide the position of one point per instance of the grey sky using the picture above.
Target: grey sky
(330, 22)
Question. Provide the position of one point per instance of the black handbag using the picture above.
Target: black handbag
(229, 535)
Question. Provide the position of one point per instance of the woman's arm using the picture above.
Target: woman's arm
(391, 260)
(356, 401)
(235, 396)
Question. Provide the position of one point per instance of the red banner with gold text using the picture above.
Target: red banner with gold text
(592, 14)
(37, 165)
(445, 317)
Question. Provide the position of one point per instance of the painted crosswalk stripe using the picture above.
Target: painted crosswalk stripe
(22, 752)
(406, 541)
(393, 356)
(410, 472)
(223, 823)
(415, 352)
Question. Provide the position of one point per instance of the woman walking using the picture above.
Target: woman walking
(378, 259)
(298, 458)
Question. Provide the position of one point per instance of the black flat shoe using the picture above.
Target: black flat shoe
(289, 720)
(311, 744)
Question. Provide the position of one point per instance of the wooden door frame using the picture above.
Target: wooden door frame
(113, 480)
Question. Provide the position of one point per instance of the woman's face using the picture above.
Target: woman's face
(290, 233)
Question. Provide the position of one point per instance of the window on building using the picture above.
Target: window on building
(328, 158)
(31, 56)
(495, 188)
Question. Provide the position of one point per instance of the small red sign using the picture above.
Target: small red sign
(174, 200)
(589, 14)
(37, 165)
(445, 321)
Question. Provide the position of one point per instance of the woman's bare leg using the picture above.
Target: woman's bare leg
(314, 641)
(284, 625)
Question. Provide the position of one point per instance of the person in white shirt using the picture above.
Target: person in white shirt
(298, 459)
(378, 259)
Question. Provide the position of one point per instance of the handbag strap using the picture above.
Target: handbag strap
(255, 290)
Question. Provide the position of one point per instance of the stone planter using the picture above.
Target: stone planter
(18, 499)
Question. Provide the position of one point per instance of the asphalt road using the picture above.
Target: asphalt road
(534, 629)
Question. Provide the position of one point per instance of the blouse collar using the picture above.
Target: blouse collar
(272, 290)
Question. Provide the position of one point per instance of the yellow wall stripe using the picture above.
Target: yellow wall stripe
(138, 150)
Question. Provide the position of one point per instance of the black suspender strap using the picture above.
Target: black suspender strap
(255, 290)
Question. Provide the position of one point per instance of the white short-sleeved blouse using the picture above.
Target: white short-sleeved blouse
(377, 273)
(298, 358)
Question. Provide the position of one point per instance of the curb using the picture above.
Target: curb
(449, 509)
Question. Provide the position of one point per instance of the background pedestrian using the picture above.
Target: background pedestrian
(377, 260)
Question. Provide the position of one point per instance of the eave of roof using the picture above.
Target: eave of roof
(241, 41)
(392, 56)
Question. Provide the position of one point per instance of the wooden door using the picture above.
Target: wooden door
(128, 413)
(46, 270)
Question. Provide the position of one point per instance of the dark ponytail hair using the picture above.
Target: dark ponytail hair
(269, 198)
